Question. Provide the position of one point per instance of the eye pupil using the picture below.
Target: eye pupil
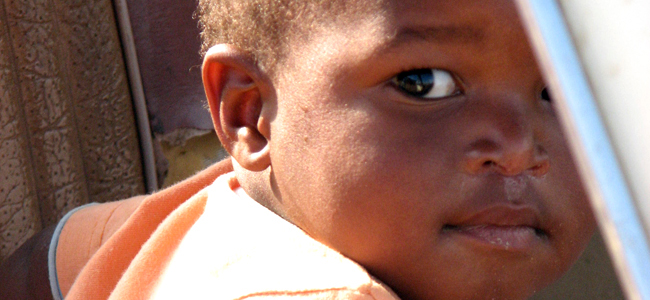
(417, 82)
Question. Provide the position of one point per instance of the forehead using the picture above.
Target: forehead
(448, 21)
(448, 10)
(441, 21)
(486, 28)
(466, 17)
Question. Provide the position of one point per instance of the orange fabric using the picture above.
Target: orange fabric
(238, 249)
(102, 272)
(85, 231)
(142, 274)
(202, 241)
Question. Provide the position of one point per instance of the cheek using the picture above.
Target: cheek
(572, 215)
(370, 179)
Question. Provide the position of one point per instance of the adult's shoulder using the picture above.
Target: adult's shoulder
(27, 274)
(54, 256)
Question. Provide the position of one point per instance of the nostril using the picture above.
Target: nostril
(488, 163)
(511, 167)
(507, 159)
(545, 95)
(540, 169)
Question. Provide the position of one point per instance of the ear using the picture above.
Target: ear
(239, 95)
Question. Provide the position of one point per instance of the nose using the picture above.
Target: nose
(503, 140)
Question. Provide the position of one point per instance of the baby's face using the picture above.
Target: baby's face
(419, 143)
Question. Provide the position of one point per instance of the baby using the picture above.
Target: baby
(412, 142)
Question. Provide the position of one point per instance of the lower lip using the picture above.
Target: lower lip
(508, 238)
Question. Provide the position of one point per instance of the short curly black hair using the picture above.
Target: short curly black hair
(264, 28)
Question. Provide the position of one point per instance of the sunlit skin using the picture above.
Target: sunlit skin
(471, 194)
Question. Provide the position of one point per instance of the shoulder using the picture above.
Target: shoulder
(238, 249)
(83, 233)
(61, 250)
(55, 257)
(24, 274)
(141, 237)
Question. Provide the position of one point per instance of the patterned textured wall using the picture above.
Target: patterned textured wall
(67, 128)
(19, 213)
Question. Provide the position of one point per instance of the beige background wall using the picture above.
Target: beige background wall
(67, 133)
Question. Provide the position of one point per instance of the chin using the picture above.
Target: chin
(496, 276)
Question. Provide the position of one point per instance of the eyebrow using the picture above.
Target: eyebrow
(436, 34)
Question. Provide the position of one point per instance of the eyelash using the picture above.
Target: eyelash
(426, 84)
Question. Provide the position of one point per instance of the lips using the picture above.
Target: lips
(500, 227)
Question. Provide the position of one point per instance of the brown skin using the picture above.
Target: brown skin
(472, 195)
(24, 274)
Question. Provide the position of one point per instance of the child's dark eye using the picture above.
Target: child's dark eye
(545, 95)
(426, 83)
